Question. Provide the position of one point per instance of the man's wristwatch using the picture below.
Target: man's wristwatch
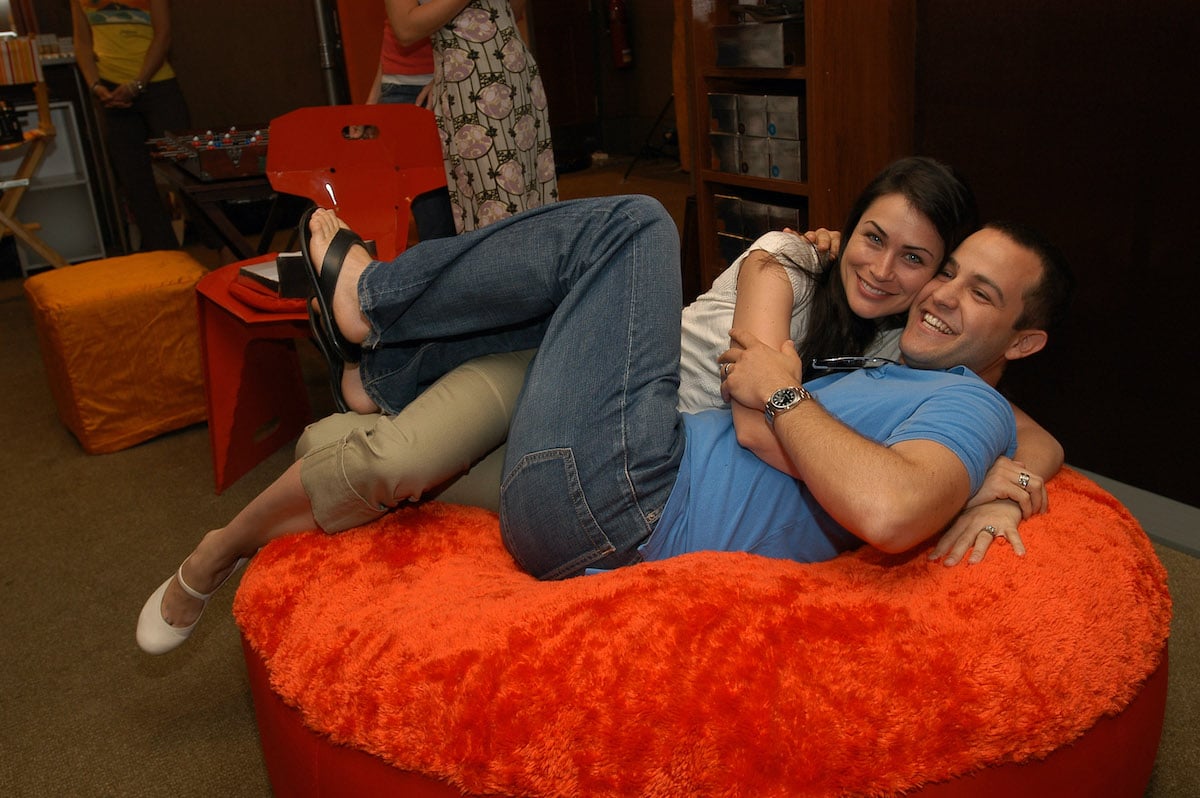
(139, 87)
(784, 400)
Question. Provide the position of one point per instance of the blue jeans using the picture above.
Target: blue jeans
(399, 93)
(595, 441)
(431, 211)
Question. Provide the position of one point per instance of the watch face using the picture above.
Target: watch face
(784, 397)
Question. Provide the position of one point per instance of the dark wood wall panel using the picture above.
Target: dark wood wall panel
(246, 63)
(238, 63)
(1077, 117)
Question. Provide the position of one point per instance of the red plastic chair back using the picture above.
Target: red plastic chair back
(370, 180)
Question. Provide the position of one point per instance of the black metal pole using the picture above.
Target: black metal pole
(333, 63)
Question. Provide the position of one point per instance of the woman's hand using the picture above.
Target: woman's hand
(1011, 479)
(826, 242)
(976, 530)
(425, 97)
(120, 97)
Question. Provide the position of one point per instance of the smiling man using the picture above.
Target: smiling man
(974, 312)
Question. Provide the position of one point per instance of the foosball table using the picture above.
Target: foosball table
(209, 156)
(212, 169)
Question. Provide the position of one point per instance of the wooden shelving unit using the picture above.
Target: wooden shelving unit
(856, 81)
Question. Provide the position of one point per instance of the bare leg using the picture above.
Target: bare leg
(281, 509)
(356, 396)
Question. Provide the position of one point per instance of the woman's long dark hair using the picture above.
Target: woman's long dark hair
(940, 195)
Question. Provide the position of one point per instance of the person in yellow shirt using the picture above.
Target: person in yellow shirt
(121, 50)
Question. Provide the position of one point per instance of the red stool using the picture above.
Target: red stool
(257, 400)
(254, 386)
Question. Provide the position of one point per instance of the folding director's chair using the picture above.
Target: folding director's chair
(20, 65)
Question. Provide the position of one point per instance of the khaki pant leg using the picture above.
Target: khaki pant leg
(357, 467)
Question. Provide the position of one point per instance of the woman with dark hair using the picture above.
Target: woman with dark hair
(899, 231)
(934, 191)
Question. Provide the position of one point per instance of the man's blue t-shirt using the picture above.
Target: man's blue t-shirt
(726, 499)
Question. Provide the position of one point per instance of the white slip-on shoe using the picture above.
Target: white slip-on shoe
(154, 634)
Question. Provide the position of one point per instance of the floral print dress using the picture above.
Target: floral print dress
(491, 112)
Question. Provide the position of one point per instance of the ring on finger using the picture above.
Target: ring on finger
(991, 530)
(1023, 480)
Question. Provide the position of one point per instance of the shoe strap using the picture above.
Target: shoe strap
(196, 594)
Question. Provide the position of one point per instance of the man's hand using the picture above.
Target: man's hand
(972, 531)
(751, 371)
(1010, 479)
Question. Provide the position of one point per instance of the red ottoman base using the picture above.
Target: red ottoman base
(1115, 757)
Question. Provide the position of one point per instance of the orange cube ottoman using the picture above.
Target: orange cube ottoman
(121, 346)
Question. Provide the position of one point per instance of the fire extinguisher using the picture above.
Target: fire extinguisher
(618, 31)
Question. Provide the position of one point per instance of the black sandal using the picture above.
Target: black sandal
(334, 363)
(330, 340)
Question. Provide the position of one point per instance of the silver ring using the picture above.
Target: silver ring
(725, 370)
(991, 530)
(1023, 481)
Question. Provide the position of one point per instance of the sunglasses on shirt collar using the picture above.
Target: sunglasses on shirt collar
(849, 363)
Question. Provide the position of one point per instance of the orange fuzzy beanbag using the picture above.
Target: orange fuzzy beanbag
(417, 640)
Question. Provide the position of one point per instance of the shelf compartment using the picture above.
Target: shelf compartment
(716, 178)
(853, 82)
(772, 45)
(755, 75)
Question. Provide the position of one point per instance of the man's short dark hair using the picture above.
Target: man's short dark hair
(1047, 302)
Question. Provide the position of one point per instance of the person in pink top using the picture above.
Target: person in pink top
(403, 71)
(404, 75)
